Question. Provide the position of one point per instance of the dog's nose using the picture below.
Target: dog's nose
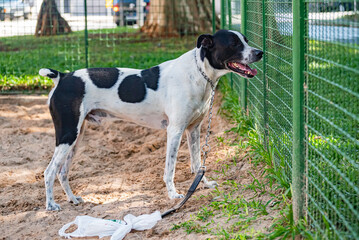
(258, 53)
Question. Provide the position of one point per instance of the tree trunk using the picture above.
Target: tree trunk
(179, 17)
(49, 20)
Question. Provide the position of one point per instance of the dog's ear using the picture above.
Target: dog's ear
(205, 40)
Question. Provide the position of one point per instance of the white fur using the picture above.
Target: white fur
(179, 104)
(44, 72)
(247, 51)
(181, 100)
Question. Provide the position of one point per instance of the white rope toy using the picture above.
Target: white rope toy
(92, 227)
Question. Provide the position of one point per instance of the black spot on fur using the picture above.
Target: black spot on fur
(164, 124)
(65, 108)
(151, 77)
(55, 73)
(52, 75)
(104, 77)
(132, 89)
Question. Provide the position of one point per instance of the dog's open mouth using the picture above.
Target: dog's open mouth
(242, 69)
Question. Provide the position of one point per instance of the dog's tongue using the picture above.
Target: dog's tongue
(254, 71)
(244, 68)
(247, 69)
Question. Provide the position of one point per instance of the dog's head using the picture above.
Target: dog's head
(229, 50)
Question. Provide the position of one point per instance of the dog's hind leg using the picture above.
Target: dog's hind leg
(64, 171)
(66, 139)
(63, 152)
(193, 140)
(68, 113)
(60, 154)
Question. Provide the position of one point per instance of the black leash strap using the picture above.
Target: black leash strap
(191, 190)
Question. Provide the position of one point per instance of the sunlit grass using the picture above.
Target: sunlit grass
(22, 57)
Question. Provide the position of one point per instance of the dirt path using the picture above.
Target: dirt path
(117, 170)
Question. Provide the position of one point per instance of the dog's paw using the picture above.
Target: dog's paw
(211, 184)
(76, 200)
(175, 195)
(53, 207)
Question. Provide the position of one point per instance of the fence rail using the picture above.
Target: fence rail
(305, 102)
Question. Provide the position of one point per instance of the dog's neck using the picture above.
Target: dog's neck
(210, 74)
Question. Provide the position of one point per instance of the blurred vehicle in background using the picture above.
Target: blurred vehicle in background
(331, 6)
(14, 8)
(125, 11)
(2, 14)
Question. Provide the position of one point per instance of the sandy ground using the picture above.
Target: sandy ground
(117, 170)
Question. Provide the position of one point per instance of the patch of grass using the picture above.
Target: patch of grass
(22, 57)
(332, 112)
(190, 226)
(350, 20)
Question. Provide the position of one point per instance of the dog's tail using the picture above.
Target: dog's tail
(53, 74)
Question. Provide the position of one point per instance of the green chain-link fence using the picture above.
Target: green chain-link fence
(312, 76)
(95, 40)
(305, 101)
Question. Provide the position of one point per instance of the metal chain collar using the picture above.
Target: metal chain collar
(206, 148)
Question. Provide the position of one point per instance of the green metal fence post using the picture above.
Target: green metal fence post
(298, 180)
(244, 83)
(86, 35)
(223, 14)
(264, 59)
(213, 17)
(229, 14)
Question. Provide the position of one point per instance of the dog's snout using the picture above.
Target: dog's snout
(258, 53)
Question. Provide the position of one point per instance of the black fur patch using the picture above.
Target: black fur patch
(132, 89)
(151, 77)
(53, 73)
(226, 47)
(65, 108)
(104, 77)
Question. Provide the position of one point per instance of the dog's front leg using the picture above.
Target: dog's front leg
(193, 140)
(174, 135)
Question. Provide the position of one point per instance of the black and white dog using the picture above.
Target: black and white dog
(174, 95)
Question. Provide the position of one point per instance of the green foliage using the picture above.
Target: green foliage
(190, 226)
(22, 57)
(331, 127)
(240, 206)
